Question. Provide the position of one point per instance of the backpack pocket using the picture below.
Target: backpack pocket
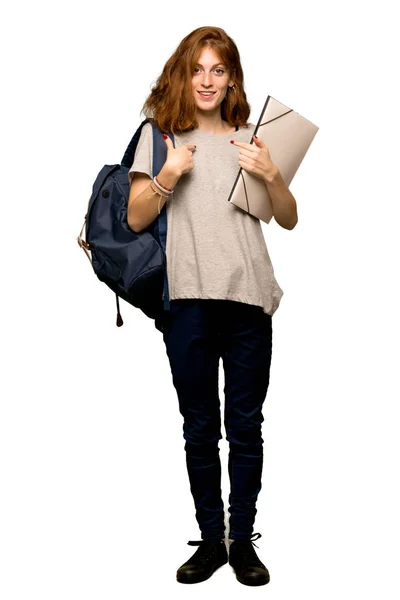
(105, 268)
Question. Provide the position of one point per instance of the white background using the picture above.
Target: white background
(95, 499)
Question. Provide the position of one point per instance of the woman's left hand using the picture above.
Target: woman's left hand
(255, 158)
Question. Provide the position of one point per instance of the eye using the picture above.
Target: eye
(221, 71)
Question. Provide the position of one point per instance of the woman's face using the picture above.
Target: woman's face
(210, 75)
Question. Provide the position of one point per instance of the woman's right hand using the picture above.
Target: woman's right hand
(179, 160)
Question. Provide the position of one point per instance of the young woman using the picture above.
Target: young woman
(222, 288)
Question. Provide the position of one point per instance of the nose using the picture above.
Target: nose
(207, 80)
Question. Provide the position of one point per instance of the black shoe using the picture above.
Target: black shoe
(210, 555)
(248, 567)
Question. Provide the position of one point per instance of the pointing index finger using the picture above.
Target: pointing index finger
(242, 144)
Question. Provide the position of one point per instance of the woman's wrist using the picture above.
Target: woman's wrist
(167, 177)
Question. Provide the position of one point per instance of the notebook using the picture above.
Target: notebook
(288, 136)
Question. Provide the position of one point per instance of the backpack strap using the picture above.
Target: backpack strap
(159, 157)
(160, 225)
(127, 159)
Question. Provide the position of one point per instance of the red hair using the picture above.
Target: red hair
(171, 104)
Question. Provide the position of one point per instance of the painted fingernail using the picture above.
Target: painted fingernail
(232, 141)
(164, 136)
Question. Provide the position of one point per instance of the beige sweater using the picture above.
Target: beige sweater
(214, 249)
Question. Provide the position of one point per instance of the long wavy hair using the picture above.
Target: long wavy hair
(171, 104)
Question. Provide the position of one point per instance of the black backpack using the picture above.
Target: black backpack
(133, 265)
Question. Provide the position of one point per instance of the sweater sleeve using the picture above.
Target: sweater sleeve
(143, 160)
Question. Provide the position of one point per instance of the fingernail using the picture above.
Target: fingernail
(164, 136)
(256, 137)
(232, 141)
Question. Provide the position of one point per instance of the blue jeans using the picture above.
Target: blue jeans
(197, 333)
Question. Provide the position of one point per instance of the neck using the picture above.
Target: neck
(212, 122)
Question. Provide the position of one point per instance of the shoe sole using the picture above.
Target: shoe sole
(252, 583)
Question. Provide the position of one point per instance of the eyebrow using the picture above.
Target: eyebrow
(220, 63)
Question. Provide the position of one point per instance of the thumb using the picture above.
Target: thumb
(258, 142)
(168, 141)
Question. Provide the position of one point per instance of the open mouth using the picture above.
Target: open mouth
(206, 95)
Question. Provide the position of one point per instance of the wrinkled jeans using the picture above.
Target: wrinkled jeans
(197, 333)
